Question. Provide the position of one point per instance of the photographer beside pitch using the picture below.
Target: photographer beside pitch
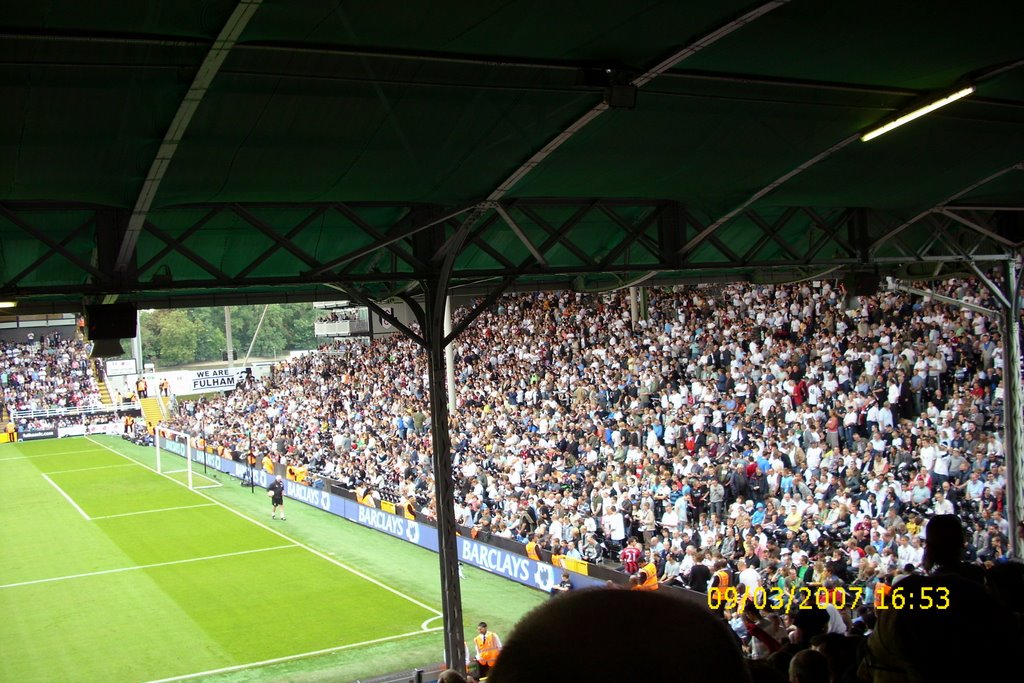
(276, 493)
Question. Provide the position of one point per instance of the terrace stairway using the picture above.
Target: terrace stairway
(154, 409)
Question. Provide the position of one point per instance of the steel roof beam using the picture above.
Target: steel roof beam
(939, 205)
(288, 237)
(634, 235)
(476, 237)
(697, 239)
(207, 71)
(194, 228)
(176, 244)
(390, 238)
(13, 282)
(770, 232)
(833, 233)
(561, 233)
(518, 232)
(56, 246)
(393, 247)
(977, 227)
(282, 243)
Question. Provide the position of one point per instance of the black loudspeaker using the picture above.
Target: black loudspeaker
(110, 321)
(621, 96)
(862, 284)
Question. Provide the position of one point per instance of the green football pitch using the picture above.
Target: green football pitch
(110, 571)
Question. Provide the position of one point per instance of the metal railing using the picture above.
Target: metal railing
(72, 410)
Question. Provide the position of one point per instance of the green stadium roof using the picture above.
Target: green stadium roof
(206, 152)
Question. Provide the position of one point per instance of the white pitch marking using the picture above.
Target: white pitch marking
(423, 626)
(278, 660)
(66, 497)
(146, 512)
(85, 469)
(144, 566)
(50, 455)
(284, 536)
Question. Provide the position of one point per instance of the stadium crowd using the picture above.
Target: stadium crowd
(51, 372)
(763, 431)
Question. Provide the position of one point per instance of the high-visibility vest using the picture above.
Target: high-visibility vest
(488, 649)
(881, 590)
(650, 582)
(531, 551)
(723, 583)
(12, 432)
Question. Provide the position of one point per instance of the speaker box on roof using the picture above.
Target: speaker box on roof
(862, 284)
(110, 321)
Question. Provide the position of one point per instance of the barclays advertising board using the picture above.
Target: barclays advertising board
(539, 575)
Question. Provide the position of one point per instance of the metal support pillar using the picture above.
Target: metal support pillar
(140, 365)
(634, 307)
(444, 482)
(449, 354)
(1013, 439)
(228, 341)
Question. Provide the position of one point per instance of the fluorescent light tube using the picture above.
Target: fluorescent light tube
(917, 113)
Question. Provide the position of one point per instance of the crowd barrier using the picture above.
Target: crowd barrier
(474, 552)
(33, 434)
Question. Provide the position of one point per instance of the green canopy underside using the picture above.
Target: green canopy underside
(437, 104)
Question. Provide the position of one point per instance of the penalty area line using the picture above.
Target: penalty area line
(86, 469)
(316, 552)
(288, 658)
(146, 512)
(50, 455)
(67, 497)
(145, 566)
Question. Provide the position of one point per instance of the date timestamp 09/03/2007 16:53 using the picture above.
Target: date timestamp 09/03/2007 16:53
(808, 597)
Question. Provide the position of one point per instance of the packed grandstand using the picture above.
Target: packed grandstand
(763, 431)
(734, 420)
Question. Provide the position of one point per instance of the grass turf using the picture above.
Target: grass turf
(205, 581)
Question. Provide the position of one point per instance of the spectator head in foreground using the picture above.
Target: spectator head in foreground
(671, 639)
(809, 666)
(906, 646)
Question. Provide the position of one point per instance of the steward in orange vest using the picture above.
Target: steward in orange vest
(719, 582)
(648, 576)
(531, 547)
(488, 645)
